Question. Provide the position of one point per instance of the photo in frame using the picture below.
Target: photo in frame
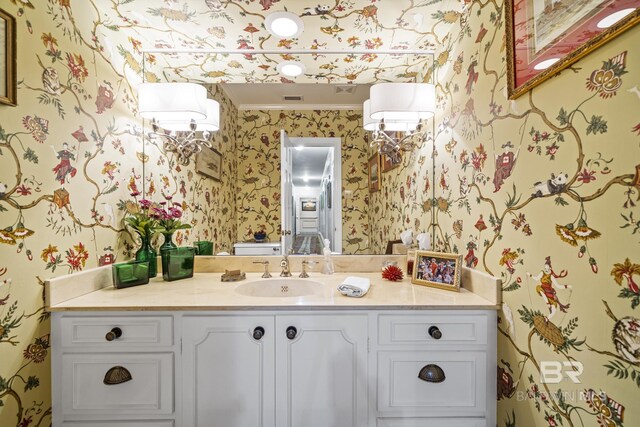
(546, 36)
(437, 270)
(387, 164)
(8, 63)
(374, 173)
(209, 163)
(308, 205)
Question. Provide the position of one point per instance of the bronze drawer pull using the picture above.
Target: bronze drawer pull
(113, 334)
(431, 373)
(117, 375)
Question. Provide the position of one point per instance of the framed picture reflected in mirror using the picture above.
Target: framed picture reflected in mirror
(209, 163)
(8, 63)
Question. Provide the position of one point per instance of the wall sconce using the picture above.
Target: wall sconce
(398, 107)
(182, 109)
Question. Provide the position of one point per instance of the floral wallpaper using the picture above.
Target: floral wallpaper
(542, 192)
(258, 191)
(71, 154)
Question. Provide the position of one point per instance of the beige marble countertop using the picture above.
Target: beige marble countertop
(205, 291)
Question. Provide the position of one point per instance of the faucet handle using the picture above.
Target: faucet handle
(305, 263)
(266, 273)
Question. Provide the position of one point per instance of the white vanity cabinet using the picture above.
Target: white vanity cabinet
(113, 370)
(279, 370)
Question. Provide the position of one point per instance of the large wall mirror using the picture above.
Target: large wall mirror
(326, 153)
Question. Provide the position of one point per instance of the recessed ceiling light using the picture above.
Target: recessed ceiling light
(284, 25)
(290, 68)
(545, 64)
(608, 21)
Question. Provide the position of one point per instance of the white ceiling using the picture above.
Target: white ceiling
(247, 96)
(309, 162)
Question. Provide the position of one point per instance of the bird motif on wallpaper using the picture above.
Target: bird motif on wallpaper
(264, 139)
(265, 201)
(51, 81)
(105, 97)
(214, 5)
(472, 76)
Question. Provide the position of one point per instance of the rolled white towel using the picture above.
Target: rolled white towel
(354, 286)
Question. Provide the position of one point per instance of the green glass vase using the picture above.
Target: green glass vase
(168, 242)
(147, 253)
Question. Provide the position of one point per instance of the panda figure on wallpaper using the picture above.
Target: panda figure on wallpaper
(554, 185)
(318, 10)
(3, 189)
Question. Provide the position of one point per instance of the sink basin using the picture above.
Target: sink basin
(285, 287)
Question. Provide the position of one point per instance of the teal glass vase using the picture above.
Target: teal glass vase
(147, 253)
(168, 242)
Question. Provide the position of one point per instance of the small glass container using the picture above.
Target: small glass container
(177, 263)
(411, 258)
(128, 274)
(203, 247)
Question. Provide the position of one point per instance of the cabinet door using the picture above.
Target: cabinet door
(321, 373)
(228, 375)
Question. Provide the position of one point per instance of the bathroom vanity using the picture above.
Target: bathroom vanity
(199, 352)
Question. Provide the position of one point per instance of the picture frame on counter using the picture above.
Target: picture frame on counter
(545, 37)
(209, 163)
(8, 62)
(437, 270)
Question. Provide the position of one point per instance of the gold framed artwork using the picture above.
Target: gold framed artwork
(545, 37)
(388, 164)
(374, 173)
(209, 163)
(8, 63)
(437, 270)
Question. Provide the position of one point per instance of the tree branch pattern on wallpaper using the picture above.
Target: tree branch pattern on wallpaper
(542, 191)
(530, 174)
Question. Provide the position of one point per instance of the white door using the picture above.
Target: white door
(286, 191)
(227, 371)
(321, 371)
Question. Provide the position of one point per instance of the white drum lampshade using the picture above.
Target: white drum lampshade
(210, 124)
(370, 124)
(402, 102)
(172, 101)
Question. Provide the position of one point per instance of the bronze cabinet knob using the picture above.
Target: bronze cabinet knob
(435, 333)
(292, 332)
(113, 334)
(258, 333)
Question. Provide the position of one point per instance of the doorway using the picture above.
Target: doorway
(313, 211)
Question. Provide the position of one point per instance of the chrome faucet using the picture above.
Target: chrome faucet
(286, 272)
(266, 273)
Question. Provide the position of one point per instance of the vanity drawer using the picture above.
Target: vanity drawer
(147, 331)
(463, 391)
(431, 422)
(148, 392)
(154, 423)
(413, 329)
